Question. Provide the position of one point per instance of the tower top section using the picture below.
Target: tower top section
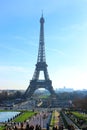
(42, 19)
(41, 51)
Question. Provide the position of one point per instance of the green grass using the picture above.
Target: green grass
(44, 96)
(24, 116)
(52, 119)
(2, 128)
(80, 115)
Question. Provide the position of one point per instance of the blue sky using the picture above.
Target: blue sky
(65, 42)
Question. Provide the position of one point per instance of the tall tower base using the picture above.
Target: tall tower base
(34, 85)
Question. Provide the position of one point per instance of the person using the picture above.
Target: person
(47, 126)
(15, 128)
(21, 126)
(54, 127)
(27, 126)
(37, 127)
(61, 127)
(31, 127)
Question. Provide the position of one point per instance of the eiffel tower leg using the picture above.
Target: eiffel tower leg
(29, 92)
(51, 90)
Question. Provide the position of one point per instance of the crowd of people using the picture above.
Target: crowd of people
(22, 126)
(27, 126)
(37, 122)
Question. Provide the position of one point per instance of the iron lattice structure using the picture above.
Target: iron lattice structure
(41, 65)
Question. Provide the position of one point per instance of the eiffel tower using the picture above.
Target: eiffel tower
(41, 65)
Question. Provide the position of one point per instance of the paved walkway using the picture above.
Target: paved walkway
(40, 119)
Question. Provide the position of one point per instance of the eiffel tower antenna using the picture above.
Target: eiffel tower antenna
(42, 12)
(41, 65)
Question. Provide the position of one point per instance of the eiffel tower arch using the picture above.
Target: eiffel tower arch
(41, 65)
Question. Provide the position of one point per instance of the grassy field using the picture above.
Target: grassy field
(24, 116)
(2, 128)
(52, 119)
(80, 115)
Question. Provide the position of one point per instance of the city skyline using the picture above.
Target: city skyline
(65, 32)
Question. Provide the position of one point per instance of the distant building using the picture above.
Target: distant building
(64, 89)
